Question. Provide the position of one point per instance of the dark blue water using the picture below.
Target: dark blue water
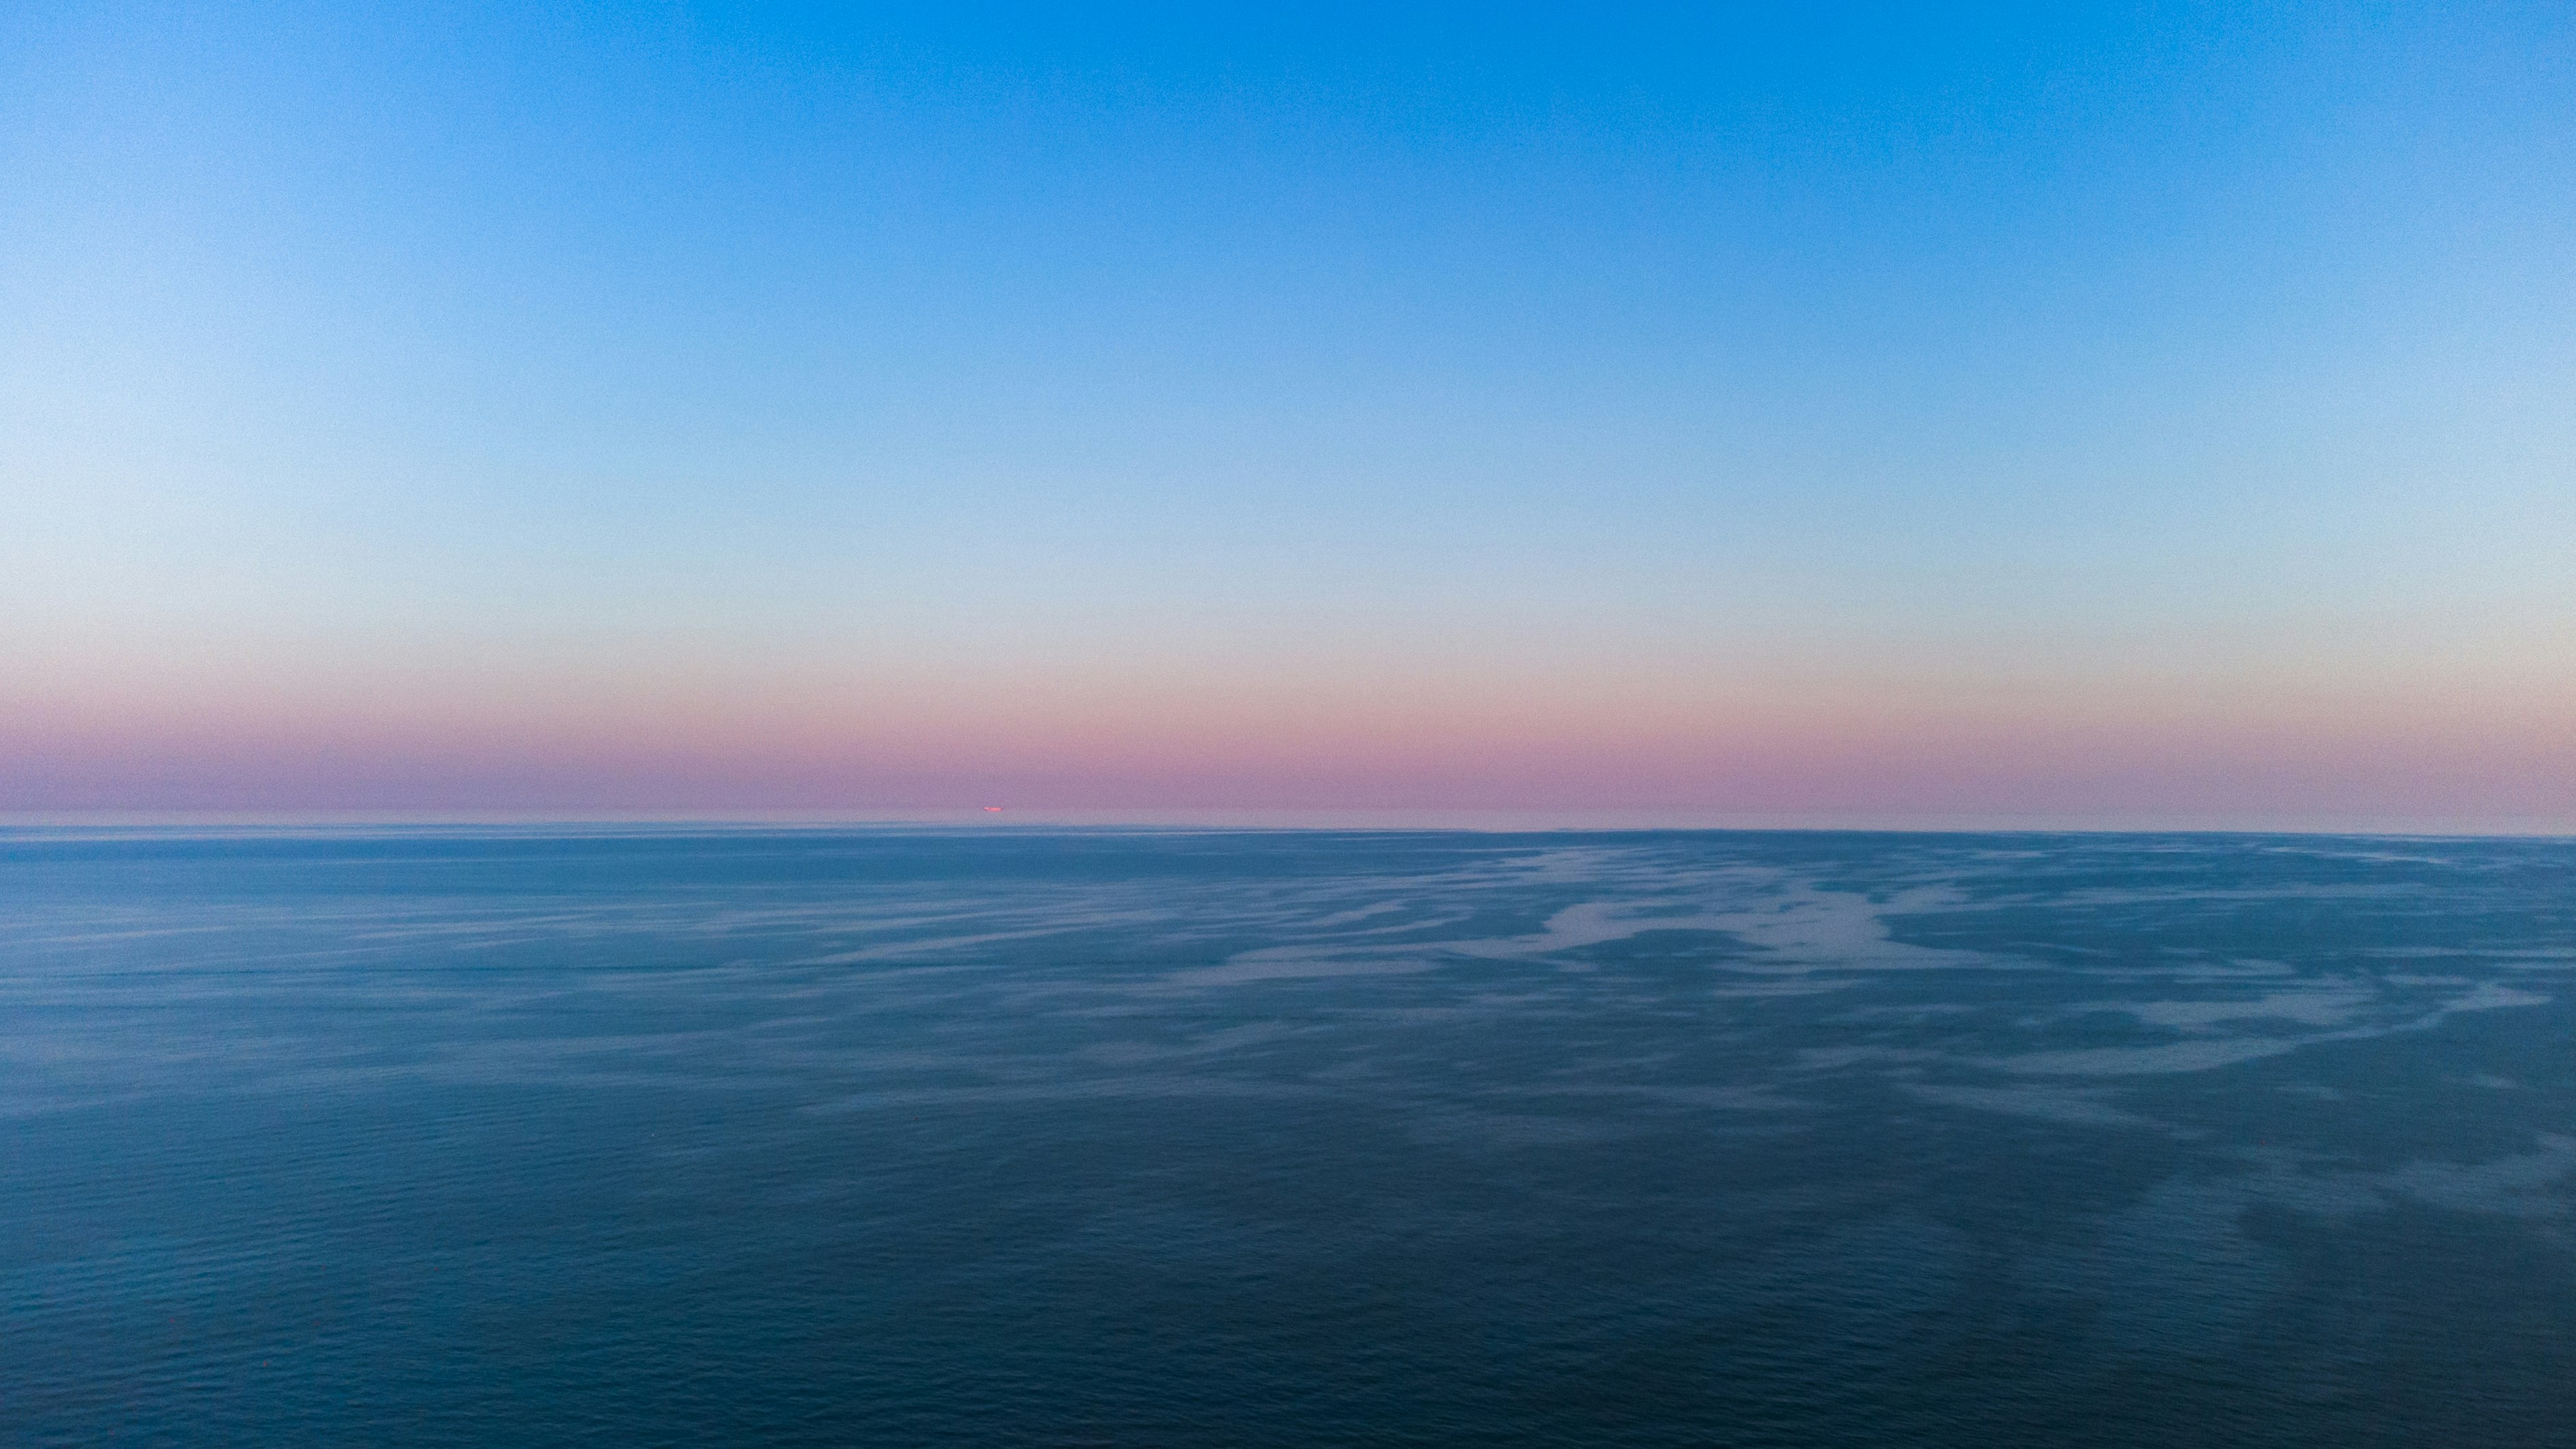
(893, 1138)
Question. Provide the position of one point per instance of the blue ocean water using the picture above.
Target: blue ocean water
(896, 1137)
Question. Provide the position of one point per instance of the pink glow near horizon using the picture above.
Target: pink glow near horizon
(1860, 747)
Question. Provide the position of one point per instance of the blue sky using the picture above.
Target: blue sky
(1879, 352)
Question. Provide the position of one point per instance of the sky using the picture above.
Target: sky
(2087, 415)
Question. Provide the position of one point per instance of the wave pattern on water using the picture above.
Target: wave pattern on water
(910, 1136)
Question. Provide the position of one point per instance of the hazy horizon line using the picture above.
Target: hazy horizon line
(1461, 820)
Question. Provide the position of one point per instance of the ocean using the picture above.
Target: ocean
(905, 1136)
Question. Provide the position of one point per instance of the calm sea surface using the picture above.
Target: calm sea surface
(1298, 1138)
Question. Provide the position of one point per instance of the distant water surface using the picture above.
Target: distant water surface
(909, 1137)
